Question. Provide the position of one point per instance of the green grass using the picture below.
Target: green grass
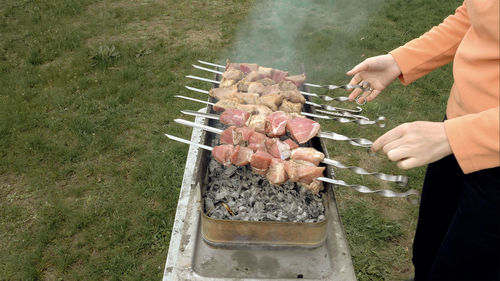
(88, 182)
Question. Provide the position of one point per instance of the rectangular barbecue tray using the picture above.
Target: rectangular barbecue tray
(251, 250)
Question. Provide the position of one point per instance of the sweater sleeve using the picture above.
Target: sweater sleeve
(475, 140)
(433, 49)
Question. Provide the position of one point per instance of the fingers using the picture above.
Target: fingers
(373, 95)
(388, 137)
(408, 163)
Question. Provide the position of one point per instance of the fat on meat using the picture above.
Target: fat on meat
(302, 129)
(308, 154)
(276, 124)
(222, 153)
(257, 122)
(234, 117)
(278, 149)
(276, 173)
(260, 162)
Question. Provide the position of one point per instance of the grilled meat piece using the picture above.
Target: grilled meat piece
(222, 153)
(302, 129)
(260, 162)
(308, 154)
(290, 107)
(276, 123)
(223, 93)
(234, 117)
(233, 74)
(298, 80)
(276, 174)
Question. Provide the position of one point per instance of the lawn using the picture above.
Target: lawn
(88, 182)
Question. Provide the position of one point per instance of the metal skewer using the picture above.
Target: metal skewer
(357, 187)
(401, 180)
(327, 135)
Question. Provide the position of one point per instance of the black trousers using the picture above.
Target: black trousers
(458, 229)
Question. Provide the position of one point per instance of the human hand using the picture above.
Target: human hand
(379, 71)
(414, 144)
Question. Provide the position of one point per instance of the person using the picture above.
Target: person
(458, 229)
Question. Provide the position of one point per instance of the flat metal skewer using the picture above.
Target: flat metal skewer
(357, 187)
(327, 135)
(399, 179)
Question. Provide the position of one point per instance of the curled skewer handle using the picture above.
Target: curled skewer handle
(399, 179)
(364, 189)
(354, 141)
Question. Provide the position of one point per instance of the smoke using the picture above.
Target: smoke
(321, 35)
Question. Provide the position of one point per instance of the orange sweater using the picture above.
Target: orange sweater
(470, 38)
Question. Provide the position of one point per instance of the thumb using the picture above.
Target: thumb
(358, 68)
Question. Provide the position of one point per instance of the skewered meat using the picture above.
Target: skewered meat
(302, 171)
(223, 93)
(302, 129)
(265, 72)
(279, 75)
(256, 87)
(278, 149)
(252, 76)
(272, 101)
(224, 83)
(247, 98)
(276, 174)
(233, 74)
(241, 156)
(276, 170)
(296, 79)
(234, 117)
(291, 107)
(308, 154)
(260, 162)
(276, 123)
(222, 153)
(257, 122)
(267, 82)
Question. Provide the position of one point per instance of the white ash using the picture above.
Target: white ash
(252, 198)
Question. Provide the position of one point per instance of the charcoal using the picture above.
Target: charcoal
(252, 198)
